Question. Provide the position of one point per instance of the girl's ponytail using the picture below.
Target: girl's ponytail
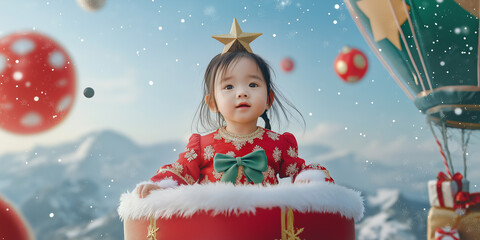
(267, 121)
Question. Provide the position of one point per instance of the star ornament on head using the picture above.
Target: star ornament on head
(236, 40)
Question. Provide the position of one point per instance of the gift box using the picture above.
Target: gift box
(441, 192)
(468, 225)
(447, 193)
(447, 233)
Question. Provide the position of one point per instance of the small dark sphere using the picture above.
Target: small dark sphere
(88, 92)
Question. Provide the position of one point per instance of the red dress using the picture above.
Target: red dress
(195, 164)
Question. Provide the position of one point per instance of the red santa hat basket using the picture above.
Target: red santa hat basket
(224, 211)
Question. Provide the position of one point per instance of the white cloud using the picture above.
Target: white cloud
(323, 133)
(120, 89)
(380, 149)
(389, 150)
(209, 11)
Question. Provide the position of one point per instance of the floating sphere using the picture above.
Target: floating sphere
(91, 5)
(287, 64)
(37, 80)
(88, 92)
(13, 224)
(351, 65)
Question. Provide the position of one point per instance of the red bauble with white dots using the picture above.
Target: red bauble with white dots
(13, 225)
(37, 83)
(287, 65)
(351, 65)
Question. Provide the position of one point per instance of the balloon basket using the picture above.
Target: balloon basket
(225, 211)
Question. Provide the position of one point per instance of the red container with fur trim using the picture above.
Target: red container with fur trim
(225, 211)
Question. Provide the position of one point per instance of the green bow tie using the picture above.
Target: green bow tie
(253, 165)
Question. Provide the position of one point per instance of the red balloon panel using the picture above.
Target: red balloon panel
(37, 83)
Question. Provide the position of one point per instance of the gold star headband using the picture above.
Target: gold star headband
(236, 40)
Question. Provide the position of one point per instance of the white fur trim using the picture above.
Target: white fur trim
(225, 198)
(311, 175)
(167, 183)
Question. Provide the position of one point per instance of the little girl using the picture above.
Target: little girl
(239, 90)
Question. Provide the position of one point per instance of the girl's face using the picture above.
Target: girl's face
(240, 93)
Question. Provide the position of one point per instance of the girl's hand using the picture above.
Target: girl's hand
(302, 181)
(144, 190)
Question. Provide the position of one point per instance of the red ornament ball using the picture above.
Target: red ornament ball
(287, 64)
(37, 83)
(351, 65)
(13, 225)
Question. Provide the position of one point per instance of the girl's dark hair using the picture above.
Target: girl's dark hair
(219, 64)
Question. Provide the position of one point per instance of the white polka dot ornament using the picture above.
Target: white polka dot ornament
(37, 83)
(351, 65)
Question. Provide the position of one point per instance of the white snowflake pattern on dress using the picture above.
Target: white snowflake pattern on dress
(177, 167)
(189, 179)
(190, 154)
(208, 152)
(291, 169)
(256, 148)
(273, 135)
(231, 153)
(292, 152)
(217, 175)
(269, 173)
(277, 154)
(205, 180)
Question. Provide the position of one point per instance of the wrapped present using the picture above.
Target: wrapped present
(447, 233)
(235, 212)
(467, 225)
(441, 192)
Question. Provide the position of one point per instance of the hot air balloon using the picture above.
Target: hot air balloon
(430, 48)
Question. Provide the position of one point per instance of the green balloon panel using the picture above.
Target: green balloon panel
(447, 40)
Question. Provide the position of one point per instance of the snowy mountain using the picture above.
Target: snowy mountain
(78, 183)
(71, 191)
(389, 216)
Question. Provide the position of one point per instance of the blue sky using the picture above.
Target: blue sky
(145, 59)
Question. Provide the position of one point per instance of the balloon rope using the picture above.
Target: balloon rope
(464, 149)
(375, 50)
(406, 45)
(445, 142)
(416, 44)
(440, 147)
